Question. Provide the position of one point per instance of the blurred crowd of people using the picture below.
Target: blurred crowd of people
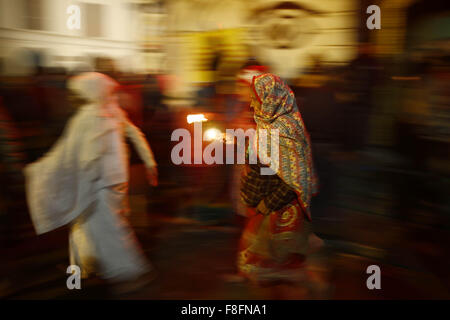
(370, 106)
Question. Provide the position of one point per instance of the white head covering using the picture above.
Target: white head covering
(98, 89)
(93, 86)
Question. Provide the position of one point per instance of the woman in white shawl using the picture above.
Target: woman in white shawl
(83, 180)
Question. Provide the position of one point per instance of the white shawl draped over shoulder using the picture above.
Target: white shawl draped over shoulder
(65, 182)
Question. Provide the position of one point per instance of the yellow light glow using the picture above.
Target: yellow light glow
(191, 118)
(212, 134)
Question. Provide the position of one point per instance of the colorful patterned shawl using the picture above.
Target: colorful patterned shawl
(278, 110)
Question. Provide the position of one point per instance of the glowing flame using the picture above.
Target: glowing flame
(191, 118)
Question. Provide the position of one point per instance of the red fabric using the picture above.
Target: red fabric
(289, 220)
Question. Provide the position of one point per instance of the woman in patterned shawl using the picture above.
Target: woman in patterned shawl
(275, 241)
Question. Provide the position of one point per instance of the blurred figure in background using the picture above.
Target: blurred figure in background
(12, 161)
(107, 66)
(360, 77)
(274, 243)
(13, 209)
(83, 182)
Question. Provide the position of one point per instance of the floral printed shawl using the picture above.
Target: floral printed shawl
(278, 110)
